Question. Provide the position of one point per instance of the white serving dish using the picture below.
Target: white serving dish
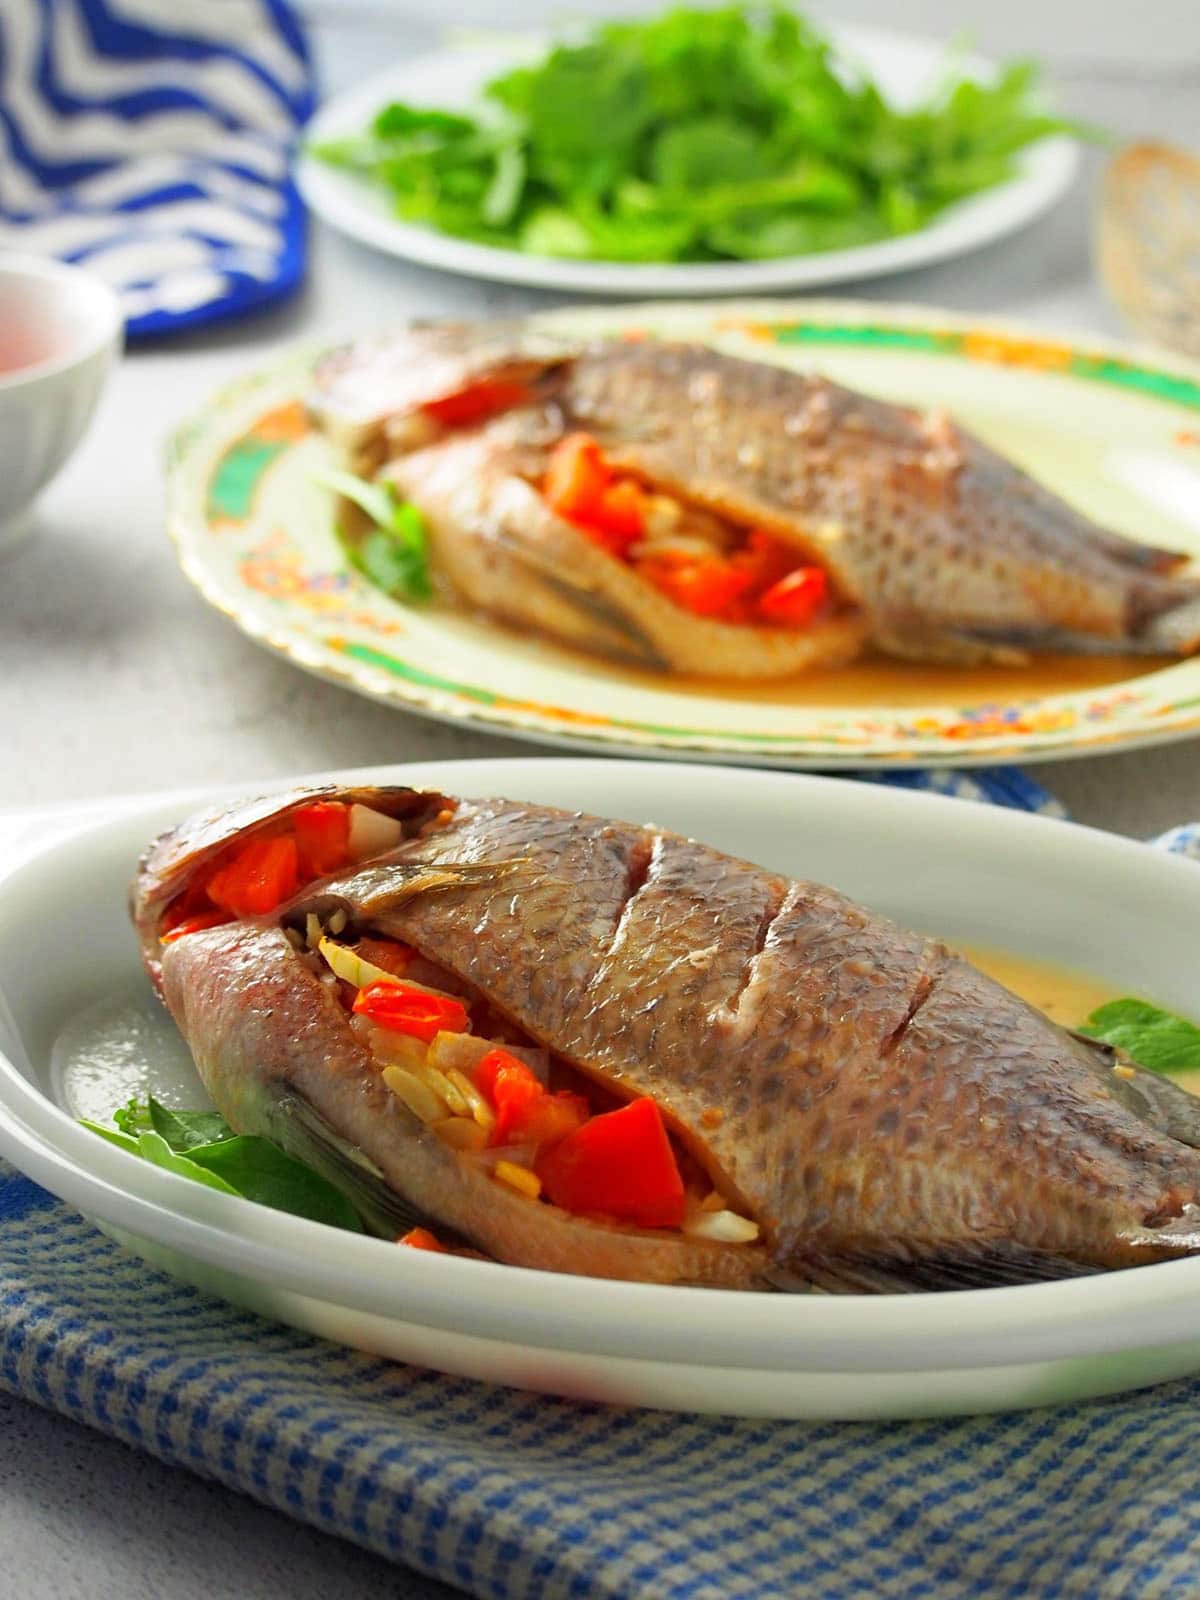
(45, 406)
(974, 873)
(907, 67)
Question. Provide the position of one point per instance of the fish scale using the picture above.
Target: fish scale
(891, 1118)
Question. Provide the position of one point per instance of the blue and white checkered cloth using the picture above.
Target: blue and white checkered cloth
(517, 1497)
(150, 141)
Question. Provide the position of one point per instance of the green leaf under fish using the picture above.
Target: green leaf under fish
(697, 135)
(201, 1145)
(181, 1129)
(1156, 1039)
(394, 554)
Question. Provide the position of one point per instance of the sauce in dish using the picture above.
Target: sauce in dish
(874, 681)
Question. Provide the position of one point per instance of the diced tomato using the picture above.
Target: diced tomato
(407, 1010)
(202, 919)
(550, 1119)
(262, 874)
(621, 513)
(480, 400)
(796, 599)
(576, 477)
(192, 901)
(704, 585)
(322, 832)
(526, 1113)
(513, 1090)
(422, 1239)
(765, 558)
(619, 1164)
(389, 954)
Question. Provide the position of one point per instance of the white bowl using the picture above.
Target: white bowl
(71, 324)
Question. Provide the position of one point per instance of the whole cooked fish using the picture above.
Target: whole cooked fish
(856, 1106)
(934, 545)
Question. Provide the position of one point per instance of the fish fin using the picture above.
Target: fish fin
(1153, 1098)
(305, 1134)
(376, 889)
(434, 880)
(987, 1264)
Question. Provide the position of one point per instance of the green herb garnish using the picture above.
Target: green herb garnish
(696, 136)
(1156, 1039)
(394, 554)
(202, 1146)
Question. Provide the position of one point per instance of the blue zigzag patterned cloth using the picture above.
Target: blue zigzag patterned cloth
(516, 1497)
(151, 142)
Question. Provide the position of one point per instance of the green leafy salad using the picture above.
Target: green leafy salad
(202, 1146)
(738, 133)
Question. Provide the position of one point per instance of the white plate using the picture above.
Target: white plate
(974, 873)
(905, 67)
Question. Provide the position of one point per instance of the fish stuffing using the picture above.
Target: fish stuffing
(935, 547)
(848, 1105)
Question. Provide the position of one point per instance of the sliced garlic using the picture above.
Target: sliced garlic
(351, 966)
(461, 1133)
(417, 1096)
(479, 1108)
(522, 1179)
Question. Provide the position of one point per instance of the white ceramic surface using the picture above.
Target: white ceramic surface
(905, 66)
(971, 872)
(75, 319)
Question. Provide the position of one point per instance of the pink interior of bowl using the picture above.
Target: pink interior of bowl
(49, 316)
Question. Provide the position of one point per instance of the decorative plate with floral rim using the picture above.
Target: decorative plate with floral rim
(1114, 430)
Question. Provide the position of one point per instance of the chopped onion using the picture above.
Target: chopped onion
(313, 931)
(662, 515)
(411, 430)
(466, 1050)
(462, 1051)
(397, 1049)
(727, 1227)
(371, 833)
(351, 966)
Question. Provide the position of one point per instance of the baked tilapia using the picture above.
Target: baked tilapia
(596, 1047)
(731, 516)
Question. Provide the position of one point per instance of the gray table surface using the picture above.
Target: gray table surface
(115, 677)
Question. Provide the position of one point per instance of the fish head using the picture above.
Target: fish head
(175, 864)
(377, 398)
